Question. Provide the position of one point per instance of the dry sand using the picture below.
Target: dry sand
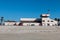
(31, 36)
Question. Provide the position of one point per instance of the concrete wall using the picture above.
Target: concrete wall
(24, 29)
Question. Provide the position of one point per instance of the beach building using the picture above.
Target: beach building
(10, 23)
(46, 21)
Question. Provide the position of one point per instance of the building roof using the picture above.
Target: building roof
(9, 21)
(28, 19)
(44, 15)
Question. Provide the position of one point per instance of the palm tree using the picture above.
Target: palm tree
(58, 19)
(58, 22)
(2, 19)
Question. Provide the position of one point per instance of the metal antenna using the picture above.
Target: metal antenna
(48, 11)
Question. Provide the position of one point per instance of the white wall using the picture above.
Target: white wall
(9, 23)
(54, 23)
(29, 24)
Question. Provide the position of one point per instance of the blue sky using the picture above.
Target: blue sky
(16, 9)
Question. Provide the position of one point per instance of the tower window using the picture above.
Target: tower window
(48, 24)
(48, 20)
(51, 21)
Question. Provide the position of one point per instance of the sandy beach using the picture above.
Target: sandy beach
(31, 36)
(29, 33)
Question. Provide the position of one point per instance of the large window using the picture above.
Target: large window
(43, 20)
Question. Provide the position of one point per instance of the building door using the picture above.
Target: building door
(48, 24)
